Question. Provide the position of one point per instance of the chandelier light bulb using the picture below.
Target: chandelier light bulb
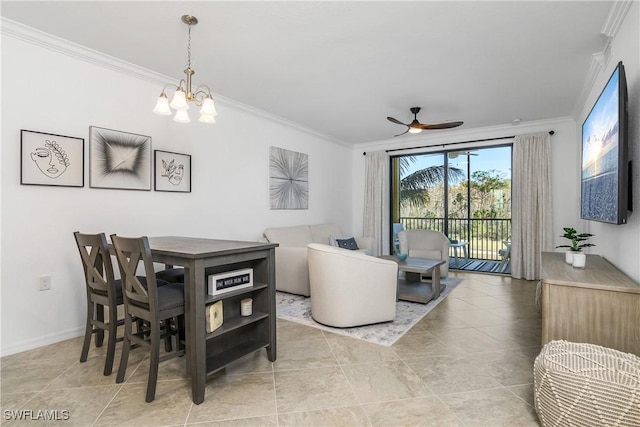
(179, 101)
(207, 118)
(162, 105)
(182, 116)
(208, 108)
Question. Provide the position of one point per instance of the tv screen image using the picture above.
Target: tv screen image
(604, 157)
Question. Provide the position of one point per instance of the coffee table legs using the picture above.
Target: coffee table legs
(435, 281)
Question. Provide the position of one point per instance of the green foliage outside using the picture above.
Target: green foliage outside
(485, 213)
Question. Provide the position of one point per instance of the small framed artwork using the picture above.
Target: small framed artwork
(172, 171)
(120, 160)
(49, 159)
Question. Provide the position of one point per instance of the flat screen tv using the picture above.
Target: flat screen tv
(605, 168)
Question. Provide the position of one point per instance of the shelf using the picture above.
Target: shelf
(237, 322)
(220, 360)
(213, 298)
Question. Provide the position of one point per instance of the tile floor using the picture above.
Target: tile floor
(467, 363)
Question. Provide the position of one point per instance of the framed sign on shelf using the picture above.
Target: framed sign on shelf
(172, 171)
(119, 159)
(50, 159)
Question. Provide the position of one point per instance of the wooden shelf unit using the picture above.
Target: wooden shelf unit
(597, 305)
(240, 335)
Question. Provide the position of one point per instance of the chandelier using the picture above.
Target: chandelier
(183, 94)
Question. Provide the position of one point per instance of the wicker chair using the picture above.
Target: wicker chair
(578, 384)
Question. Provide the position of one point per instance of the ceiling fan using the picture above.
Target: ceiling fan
(416, 127)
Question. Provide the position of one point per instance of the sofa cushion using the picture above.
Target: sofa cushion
(289, 236)
(349, 243)
(322, 232)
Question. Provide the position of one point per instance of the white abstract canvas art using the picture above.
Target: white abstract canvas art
(288, 179)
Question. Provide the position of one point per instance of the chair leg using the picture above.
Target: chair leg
(87, 334)
(99, 312)
(154, 360)
(126, 346)
(111, 342)
(167, 324)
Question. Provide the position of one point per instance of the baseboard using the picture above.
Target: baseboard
(41, 341)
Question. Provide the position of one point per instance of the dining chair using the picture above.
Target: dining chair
(103, 291)
(162, 307)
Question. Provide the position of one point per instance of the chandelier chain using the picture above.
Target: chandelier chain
(189, 49)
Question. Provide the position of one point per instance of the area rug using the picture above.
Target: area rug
(296, 308)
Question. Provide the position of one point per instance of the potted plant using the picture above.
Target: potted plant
(576, 246)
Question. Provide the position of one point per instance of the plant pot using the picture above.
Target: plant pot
(568, 257)
(579, 260)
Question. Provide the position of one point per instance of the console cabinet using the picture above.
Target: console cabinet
(598, 305)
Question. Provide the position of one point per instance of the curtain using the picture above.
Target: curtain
(531, 204)
(376, 201)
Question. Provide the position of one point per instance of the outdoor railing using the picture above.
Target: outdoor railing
(486, 236)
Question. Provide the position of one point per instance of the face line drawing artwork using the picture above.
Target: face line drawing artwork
(43, 157)
(173, 173)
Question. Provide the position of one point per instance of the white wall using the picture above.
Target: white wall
(48, 88)
(620, 244)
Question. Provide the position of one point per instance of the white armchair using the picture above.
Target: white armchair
(426, 244)
(349, 288)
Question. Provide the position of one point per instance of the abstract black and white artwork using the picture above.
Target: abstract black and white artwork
(119, 159)
(288, 179)
(172, 171)
(49, 159)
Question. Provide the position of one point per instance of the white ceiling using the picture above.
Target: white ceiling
(341, 67)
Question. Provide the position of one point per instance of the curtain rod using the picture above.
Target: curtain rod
(453, 143)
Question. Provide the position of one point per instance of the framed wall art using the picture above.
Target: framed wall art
(49, 159)
(119, 159)
(288, 179)
(172, 171)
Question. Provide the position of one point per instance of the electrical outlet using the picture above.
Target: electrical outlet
(44, 283)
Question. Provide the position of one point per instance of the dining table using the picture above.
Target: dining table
(208, 352)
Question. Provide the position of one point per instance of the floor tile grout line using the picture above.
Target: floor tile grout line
(108, 404)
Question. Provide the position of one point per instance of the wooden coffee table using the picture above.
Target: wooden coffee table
(412, 287)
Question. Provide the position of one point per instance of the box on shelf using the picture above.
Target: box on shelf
(230, 281)
(214, 316)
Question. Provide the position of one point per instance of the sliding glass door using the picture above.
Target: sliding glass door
(465, 194)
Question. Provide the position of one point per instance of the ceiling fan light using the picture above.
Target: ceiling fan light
(179, 100)
(415, 130)
(162, 105)
(182, 116)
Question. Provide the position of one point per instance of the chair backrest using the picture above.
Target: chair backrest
(96, 263)
(137, 290)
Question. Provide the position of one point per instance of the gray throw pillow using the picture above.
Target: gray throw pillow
(349, 243)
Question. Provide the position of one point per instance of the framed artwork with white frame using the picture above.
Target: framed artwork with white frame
(172, 171)
(119, 160)
(50, 159)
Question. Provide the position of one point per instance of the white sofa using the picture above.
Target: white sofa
(426, 244)
(349, 288)
(292, 271)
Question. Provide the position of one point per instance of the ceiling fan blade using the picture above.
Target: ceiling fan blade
(403, 132)
(448, 125)
(396, 121)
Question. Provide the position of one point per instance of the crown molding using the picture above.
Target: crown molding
(48, 41)
(617, 13)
